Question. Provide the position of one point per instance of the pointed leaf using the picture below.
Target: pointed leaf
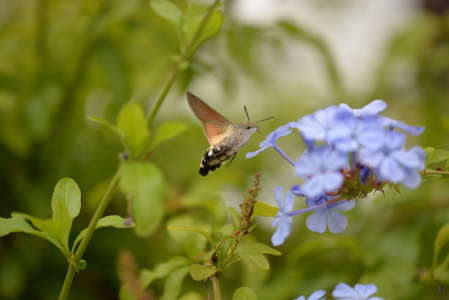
(224, 248)
(167, 10)
(439, 155)
(211, 28)
(131, 120)
(146, 185)
(244, 293)
(235, 216)
(258, 248)
(257, 260)
(173, 283)
(167, 131)
(68, 192)
(201, 272)
(109, 221)
(197, 230)
(429, 154)
(264, 210)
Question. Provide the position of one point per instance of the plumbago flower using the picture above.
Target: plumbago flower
(359, 292)
(350, 153)
(317, 295)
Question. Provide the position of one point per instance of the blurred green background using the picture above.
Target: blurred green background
(61, 61)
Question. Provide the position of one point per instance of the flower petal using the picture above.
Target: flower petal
(412, 179)
(390, 170)
(348, 205)
(297, 190)
(342, 290)
(317, 295)
(336, 221)
(252, 154)
(278, 194)
(282, 232)
(366, 290)
(288, 202)
(316, 222)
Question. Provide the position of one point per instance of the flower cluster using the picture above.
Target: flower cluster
(343, 291)
(350, 153)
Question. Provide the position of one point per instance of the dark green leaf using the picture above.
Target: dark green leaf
(257, 260)
(264, 210)
(429, 154)
(146, 185)
(167, 10)
(68, 192)
(167, 131)
(173, 283)
(258, 248)
(131, 120)
(244, 293)
(235, 216)
(201, 272)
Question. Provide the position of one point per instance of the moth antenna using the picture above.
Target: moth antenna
(261, 132)
(246, 113)
(265, 119)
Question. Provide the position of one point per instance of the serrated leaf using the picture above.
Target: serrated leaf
(429, 154)
(120, 134)
(131, 120)
(173, 283)
(167, 131)
(438, 156)
(224, 248)
(235, 216)
(264, 210)
(167, 10)
(197, 230)
(259, 248)
(146, 185)
(201, 272)
(244, 293)
(108, 221)
(68, 192)
(257, 260)
(441, 239)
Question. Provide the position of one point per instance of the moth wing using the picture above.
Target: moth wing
(215, 131)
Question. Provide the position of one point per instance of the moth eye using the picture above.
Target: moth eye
(248, 127)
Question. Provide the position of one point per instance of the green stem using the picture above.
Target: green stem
(90, 231)
(216, 284)
(435, 172)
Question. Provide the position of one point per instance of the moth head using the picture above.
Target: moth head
(250, 127)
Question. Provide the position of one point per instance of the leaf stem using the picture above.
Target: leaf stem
(435, 172)
(90, 231)
(216, 284)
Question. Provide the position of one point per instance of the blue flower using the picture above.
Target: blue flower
(393, 163)
(270, 141)
(413, 130)
(359, 292)
(317, 295)
(370, 109)
(297, 190)
(316, 126)
(320, 169)
(349, 132)
(328, 215)
(283, 218)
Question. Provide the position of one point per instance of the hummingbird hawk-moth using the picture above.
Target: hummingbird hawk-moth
(225, 138)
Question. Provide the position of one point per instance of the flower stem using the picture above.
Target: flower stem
(216, 284)
(435, 172)
(314, 207)
(90, 231)
(279, 150)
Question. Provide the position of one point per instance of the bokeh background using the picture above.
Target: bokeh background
(61, 61)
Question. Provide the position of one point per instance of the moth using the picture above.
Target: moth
(225, 138)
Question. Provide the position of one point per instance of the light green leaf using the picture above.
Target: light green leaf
(201, 272)
(227, 230)
(68, 192)
(258, 260)
(197, 230)
(210, 29)
(108, 221)
(173, 283)
(235, 216)
(429, 154)
(17, 224)
(112, 127)
(161, 270)
(244, 293)
(441, 239)
(264, 210)
(191, 296)
(167, 131)
(258, 248)
(52, 231)
(167, 10)
(224, 248)
(61, 215)
(438, 156)
(446, 166)
(146, 185)
(131, 120)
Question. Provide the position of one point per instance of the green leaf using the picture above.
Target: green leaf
(446, 167)
(264, 210)
(257, 260)
(191, 296)
(167, 131)
(223, 251)
(197, 230)
(68, 192)
(258, 248)
(438, 156)
(82, 264)
(131, 120)
(201, 272)
(52, 231)
(161, 270)
(62, 216)
(167, 10)
(146, 185)
(108, 221)
(112, 127)
(235, 216)
(441, 239)
(244, 293)
(429, 154)
(173, 283)
(210, 29)
(227, 230)
(17, 224)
